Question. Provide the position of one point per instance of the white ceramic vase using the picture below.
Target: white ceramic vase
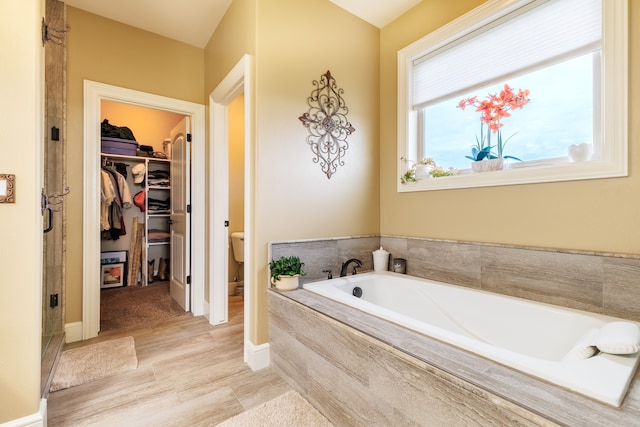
(488, 165)
(422, 171)
(286, 283)
(579, 152)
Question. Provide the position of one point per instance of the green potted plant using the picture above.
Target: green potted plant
(285, 272)
(492, 110)
(424, 168)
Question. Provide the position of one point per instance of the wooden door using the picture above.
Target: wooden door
(180, 268)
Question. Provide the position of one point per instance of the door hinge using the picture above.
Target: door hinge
(188, 280)
(226, 223)
(188, 137)
(188, 208)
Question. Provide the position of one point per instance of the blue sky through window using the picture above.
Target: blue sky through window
(559, 114)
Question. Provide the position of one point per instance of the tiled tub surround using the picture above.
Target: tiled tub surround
(358, 369)
(362, 370)
(323, 254)
(601, 283)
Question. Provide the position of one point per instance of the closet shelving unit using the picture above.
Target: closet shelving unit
(154, 220)
(160, 221)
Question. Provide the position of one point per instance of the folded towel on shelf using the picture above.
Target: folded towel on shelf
(157, 206)
(159, 178)
(158, 236)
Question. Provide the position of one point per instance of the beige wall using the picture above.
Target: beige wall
(233, 38)
(599, 215)
(298, 41)
(21, 109)
(236, 178)
(292, 198)
(105, 51)
(293, 42)
(149, 126)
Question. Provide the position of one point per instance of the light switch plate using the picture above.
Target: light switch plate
(7, 188)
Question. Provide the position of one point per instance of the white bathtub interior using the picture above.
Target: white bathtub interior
(534, 338)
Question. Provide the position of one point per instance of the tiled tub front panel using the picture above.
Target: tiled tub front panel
(361, 370)
(606, 284)
(355, 380)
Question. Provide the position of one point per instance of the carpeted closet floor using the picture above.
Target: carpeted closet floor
(136, 305)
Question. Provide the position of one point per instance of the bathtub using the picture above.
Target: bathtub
(535, 338)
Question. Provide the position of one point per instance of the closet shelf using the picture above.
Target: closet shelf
(159, 187)
(134, 158)
(123, 157)
(157, 243)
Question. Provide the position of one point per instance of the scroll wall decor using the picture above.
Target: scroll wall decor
(327, 124)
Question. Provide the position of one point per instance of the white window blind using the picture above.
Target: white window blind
(548, 32)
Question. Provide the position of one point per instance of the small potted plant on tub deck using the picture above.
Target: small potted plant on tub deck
(285, 272)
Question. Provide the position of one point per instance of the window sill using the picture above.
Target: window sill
(520, 174)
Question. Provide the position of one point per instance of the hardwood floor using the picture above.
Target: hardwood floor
(189, 374)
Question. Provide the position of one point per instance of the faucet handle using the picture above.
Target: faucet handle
(329, 274)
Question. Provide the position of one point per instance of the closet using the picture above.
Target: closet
(135, 232)
(136, 242)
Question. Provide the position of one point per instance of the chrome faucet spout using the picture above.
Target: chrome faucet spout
(345, 266)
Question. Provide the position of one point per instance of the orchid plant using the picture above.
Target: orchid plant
(492, 110)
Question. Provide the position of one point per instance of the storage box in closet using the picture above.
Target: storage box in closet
(123, 147)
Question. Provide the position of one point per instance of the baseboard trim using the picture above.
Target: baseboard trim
(257, 356)
(205, 307)
(39, 419)
(73, 332)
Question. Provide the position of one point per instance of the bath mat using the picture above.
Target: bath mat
(290, 409)
(93, 362)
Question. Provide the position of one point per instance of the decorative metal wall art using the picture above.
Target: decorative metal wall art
(327, 123)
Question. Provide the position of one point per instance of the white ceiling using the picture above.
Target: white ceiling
(188, 21)
(193, 21)
(376, 12)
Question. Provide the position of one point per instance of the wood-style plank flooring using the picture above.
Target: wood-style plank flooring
(189, 374)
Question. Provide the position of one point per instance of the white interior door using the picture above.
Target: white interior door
(180, 268)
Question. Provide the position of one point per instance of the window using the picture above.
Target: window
(570, 56)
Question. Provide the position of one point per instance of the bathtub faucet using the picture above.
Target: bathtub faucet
(345, 266)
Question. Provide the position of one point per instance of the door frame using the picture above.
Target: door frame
(238, 81)
(94, 93)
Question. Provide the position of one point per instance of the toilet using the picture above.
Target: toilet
(237, 243)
